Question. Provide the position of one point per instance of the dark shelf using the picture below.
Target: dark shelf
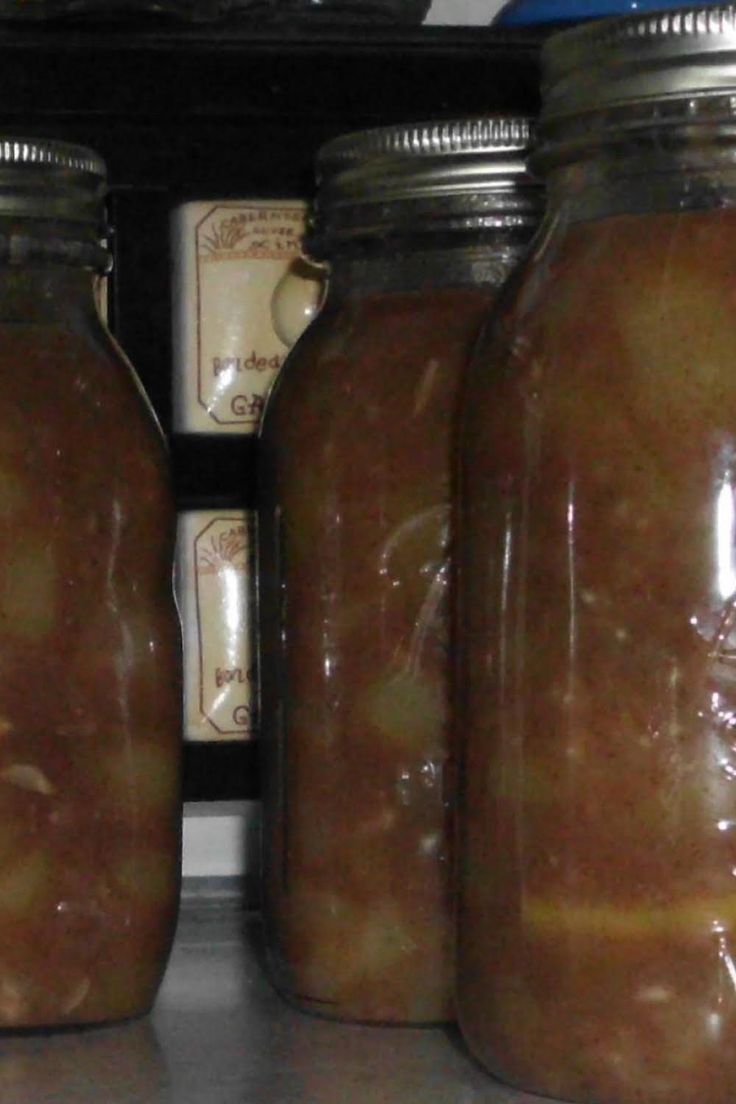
(214, 471)
(196, 111)
(220, 771)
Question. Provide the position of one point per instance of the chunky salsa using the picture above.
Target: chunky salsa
(597, 566)
(89, 685)
(354, 616)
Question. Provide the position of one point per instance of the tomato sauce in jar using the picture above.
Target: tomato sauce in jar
(354, 566)
(89, 640)
(597, 592)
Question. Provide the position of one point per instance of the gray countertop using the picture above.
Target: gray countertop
(220, 1035)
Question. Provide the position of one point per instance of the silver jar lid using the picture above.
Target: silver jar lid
(467, 173)
(46, 179)
(684, 53)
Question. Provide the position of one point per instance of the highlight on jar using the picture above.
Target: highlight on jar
(90, 674)
(596, 559)
(241, 295)
(354, 539)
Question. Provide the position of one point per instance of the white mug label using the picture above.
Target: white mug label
(228, 260)
(214, 594)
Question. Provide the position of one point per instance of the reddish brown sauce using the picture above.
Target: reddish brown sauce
(598, 605)
(89, 686)
(357, 446)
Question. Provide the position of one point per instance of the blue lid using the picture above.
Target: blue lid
(518, 13)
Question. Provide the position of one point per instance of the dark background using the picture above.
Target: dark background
(233, 110)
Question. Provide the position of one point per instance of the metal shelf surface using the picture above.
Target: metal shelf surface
(219, 1034)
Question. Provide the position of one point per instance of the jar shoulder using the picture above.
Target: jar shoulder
(368, 355)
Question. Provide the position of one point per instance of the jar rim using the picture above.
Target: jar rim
(49, 180)
(438, 174)
(415, 141)
(52, 154)
(676, 54)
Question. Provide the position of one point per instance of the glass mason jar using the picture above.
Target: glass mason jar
(597, 590)
(89, 641)
(420, 225)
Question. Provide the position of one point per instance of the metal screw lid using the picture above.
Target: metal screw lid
(374, 180)
(52, 202)
(45, 179)
(423, 158)
(51, 153)
(415, 141)
(676, 54)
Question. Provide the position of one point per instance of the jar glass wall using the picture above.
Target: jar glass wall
(89, 674)
(354, 566)
(596, 555)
